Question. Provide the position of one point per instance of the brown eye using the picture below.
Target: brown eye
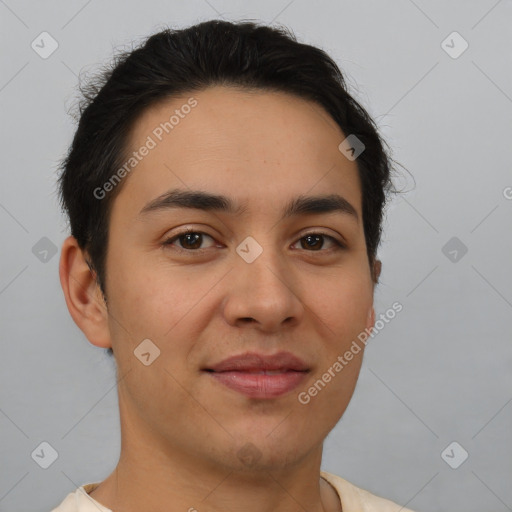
(189, 240)
(314, 242)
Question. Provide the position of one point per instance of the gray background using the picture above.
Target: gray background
(439, 372)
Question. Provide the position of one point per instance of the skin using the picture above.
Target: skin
(181, 431)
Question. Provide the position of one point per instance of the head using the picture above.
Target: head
(244, 121)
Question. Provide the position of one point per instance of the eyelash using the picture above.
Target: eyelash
(169, 241)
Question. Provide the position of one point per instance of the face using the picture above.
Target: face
(252, 280)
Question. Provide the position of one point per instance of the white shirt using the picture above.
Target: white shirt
(352, 498)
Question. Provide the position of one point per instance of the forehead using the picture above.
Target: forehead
(261, 146)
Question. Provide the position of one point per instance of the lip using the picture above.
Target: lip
(260, 362)
(259, 376)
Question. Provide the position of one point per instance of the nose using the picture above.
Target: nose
(264, 294)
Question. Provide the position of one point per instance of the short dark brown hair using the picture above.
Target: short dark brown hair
(173, 62)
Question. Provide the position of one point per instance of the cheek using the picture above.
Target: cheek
(155, 299)
(342, 303)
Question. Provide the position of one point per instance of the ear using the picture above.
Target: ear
(377, 269)
(83, 294)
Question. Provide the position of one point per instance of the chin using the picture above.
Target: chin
(270, 448)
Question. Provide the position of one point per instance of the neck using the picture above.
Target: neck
(151, 479)
(156, 473)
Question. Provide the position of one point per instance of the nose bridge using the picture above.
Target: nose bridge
(252, 259)
(270, 272)
(264, 288)
(261, 256)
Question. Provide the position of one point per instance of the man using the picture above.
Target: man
(225, 197)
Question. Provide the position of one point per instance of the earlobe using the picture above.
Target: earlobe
(83, 295)
(377, 269)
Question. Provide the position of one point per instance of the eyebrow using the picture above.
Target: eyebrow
(199, 200)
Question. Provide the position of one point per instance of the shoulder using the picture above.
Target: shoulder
(80, 501)
(355, 499)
